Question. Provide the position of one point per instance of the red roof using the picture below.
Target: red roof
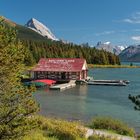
(60, 64)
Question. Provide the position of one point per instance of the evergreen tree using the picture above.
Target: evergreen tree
(17, 106)
(52, 49)
(136, 101)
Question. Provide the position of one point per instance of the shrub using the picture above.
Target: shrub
(38, 135)
(61, 129)
(108, 123)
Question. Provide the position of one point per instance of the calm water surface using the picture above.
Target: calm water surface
(86, 101)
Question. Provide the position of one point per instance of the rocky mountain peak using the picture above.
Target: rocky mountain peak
(40, 28)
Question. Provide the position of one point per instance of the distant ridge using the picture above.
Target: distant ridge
(110, 48)
(131, 54)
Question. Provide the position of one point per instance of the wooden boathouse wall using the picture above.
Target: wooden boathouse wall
(61, 69)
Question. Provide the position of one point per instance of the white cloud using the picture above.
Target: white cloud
(134, 18)
(136, 38)
(105, 33)
(136, 30)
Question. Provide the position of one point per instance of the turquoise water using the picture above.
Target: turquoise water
(86, 101)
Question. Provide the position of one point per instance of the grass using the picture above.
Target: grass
(57, 129)
(107, 123)
(38, 135)
(111, 66)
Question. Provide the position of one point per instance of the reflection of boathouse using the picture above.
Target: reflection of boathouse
(60, 69)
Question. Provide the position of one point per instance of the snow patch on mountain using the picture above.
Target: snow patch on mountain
(122, 47)
(110, 48)
(40, 28)
(107, 43)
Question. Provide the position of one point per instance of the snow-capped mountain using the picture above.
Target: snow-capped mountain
(40, 28)
(131, 54)
(110, 48)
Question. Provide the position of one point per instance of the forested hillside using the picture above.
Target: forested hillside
(50, 49)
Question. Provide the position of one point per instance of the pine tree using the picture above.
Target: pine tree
(136, 101)
(17, 106)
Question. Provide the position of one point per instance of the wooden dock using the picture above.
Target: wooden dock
(109, 82)
(63, 86)
(104, 82)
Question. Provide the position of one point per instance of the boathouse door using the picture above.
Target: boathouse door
(63, 75)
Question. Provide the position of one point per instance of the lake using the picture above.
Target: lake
(86, 101)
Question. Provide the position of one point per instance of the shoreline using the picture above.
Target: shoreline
(111, 66)
(83, 121)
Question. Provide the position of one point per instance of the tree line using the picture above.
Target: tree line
(52, 49)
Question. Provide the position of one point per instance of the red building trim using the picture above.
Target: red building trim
(61, 69)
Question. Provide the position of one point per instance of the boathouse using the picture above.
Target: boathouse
(60, 69)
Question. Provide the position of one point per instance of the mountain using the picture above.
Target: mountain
(131, 54)
(110, 48)
(40, 28)
(38, 46)
(23, 33)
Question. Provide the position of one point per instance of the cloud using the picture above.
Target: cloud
(105, 33)
(136, 38)
(133, 19)
(136, 30)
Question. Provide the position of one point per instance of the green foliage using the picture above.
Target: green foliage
(108, 123)
(56, 129)
(61, 129)
(138, 138)
(135, 100)
(38, 135)
(53, 49)
(16, 102)
(131, 64)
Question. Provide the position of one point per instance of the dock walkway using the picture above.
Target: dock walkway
(64, 86)
(109, 82)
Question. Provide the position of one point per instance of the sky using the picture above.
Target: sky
(81, 21)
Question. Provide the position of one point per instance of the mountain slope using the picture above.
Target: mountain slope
(23, 33)
(38, 27)
(110, 48)
(7, 21)
(131, 54)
